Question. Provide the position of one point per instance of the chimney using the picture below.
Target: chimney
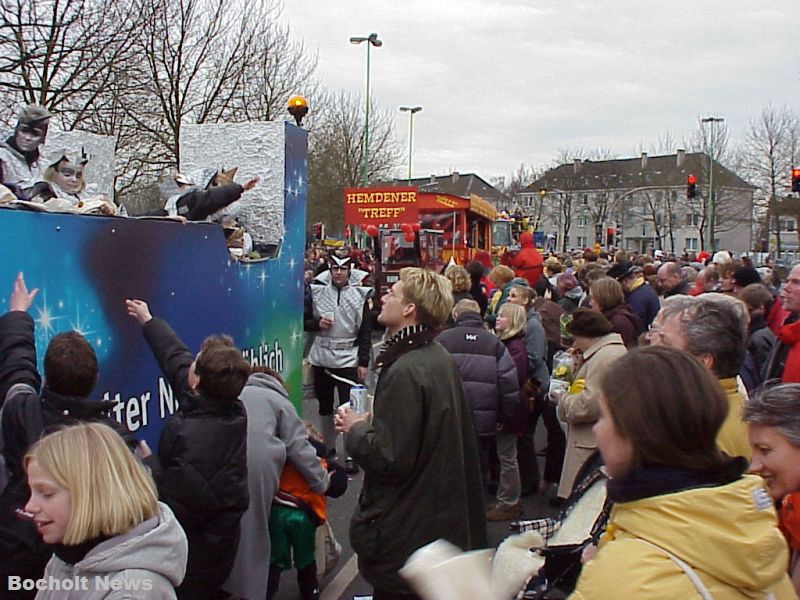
(454, 176)
(433, 178)
(681, 155)
(576, 165)
(644, 160)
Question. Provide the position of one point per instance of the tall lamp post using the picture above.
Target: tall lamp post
(710, 207)
(371, 40)
(411, 110)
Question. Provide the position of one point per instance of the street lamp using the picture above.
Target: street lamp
(411, 110)
(372, 40)
(710, 216)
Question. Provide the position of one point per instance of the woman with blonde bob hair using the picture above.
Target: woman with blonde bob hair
(686, 522)
(97, 506)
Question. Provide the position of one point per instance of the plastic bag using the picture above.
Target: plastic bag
(328, 550)
(563, 374)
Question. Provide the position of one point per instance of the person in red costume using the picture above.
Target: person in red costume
(527, 263)
(773, 417)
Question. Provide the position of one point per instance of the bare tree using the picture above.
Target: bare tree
(197, 54)
(62, 54)
(277, 69)
(336, 150)
(520, 179)
(769, 151)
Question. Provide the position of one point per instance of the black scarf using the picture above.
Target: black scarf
(74, 553)
(405, 340)
(656, 481)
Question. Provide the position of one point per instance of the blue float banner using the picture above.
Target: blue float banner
(87, 266)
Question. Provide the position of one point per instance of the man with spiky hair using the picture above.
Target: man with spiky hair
(419, 451)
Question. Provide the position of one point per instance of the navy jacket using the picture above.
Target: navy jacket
(487, 370)
(644, 304)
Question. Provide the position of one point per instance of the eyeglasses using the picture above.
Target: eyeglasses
(654, 332)
(69, 172)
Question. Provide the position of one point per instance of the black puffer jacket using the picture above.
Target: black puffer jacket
(201, 468)
(27, 414)
(198, 205)
(487, 370)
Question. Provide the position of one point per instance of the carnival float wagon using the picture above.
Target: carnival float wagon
(86, 266)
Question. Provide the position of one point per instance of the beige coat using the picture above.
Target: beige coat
(579, 409)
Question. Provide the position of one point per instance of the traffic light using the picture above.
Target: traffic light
(691, 187)
(609, 236)
(796, 180)
(317, 231)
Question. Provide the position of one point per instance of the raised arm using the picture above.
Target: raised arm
(17, 346)
(172, 355)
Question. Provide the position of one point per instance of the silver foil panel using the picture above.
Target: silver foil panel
(257, 148)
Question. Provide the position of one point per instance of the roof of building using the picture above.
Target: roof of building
(643, 171)
(457, 184)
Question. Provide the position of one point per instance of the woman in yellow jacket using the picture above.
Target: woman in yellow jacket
(686, 522)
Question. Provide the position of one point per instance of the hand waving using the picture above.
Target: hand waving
(21, 299)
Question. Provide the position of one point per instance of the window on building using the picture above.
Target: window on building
(583, 221)
(585, 199)
(787, 224)
(581, 241)
(691, 243)
(693, 220)
(673, 195)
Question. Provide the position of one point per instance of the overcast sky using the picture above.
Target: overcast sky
(509, 81)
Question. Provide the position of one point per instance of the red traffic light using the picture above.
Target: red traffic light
(691, 186)
(795, 179)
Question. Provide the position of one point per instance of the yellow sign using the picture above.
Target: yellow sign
(444, 201)
(363, 206)
(481, 207)
(379, 197)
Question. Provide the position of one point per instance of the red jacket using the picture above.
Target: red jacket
(776, 316)
(528, 263)
(789, 335)
(789, 519)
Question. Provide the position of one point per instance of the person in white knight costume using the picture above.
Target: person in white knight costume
(337, 311)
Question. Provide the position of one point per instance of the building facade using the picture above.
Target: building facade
(641, 204)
